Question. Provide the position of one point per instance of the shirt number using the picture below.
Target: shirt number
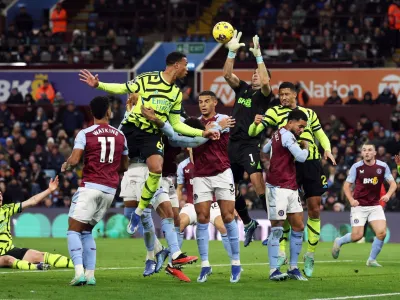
(103, 141)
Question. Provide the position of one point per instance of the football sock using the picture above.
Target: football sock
(167, 226)
(148, 232)
(57, 260)
(227, 244)
(157, 245)
(233, 235)
(273, 246)
(202, 237)
(128, 212)
(345, 239)
(89, 251)
(313, 231)
(376, 248)
(241, 208)
(23, 265)
(75, 251)
(179, 235)
(149, 189)
(285, 236)
(296, 242)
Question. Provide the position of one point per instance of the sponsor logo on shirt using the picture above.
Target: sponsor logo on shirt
(373, 180)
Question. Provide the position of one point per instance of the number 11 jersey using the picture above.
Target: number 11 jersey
(104, 146)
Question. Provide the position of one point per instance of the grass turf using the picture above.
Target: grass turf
(121, 261)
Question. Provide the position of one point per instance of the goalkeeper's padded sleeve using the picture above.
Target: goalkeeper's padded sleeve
(255, 130)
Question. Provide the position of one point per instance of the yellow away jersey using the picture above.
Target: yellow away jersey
(277, 116)
(6, 212)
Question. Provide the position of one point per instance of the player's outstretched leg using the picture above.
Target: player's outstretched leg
(296, 243)
(216, 220)
(338, 243)
(149, 240)
(273, 249)
(161, 254)
(89, 256)
(227, 208)
(282, 259)
(75, 249)
(7, 261)
(250, 225)
(58, 260)
(313, 231)
(202, 237)
(379, 227)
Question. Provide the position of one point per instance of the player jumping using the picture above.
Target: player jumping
(310, 176)
(158, 91)
(282, 193)
(24, 258)
(368, 176)
(213, 176)
(244, 151)
(105, 154)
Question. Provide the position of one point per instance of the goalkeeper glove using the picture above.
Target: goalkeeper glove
(256, 50)
(233, 45)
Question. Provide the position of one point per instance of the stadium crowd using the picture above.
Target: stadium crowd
(317, 30)
(51, 43)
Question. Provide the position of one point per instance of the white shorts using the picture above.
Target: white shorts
(360, 214)
(167, 184)
(189, 210)
(281, 202)
(133, 181)
(89, 206)
(221, 185)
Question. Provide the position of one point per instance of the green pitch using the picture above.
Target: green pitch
(120, 263)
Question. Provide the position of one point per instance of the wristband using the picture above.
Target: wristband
(259, 59)
(231, 54)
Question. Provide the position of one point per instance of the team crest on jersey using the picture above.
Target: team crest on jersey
(356, 221)
(379, 171)
(281, 213)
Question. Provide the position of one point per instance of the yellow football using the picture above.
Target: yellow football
(222, 32)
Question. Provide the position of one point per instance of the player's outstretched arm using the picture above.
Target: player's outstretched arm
(93, 81)
(73, 160)
(35, 200)
(257, 126)
(267, 147)
(262, 69)
(233, 47)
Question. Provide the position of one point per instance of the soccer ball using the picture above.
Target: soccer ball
(222, 32)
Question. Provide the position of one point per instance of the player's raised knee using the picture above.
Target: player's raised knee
(356, 236)
(228, 217)
(381, 234)
(314, 212)
(203, 218)
(298, 227)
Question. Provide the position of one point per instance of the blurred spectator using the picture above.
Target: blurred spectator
(59, 21)
(45, 91)
(55, 159)
(333, 99)
(351, 99)
(23, 20)
(72, 119)
(368, 99)
(395, 118)
(386, 97)
(15, 97)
